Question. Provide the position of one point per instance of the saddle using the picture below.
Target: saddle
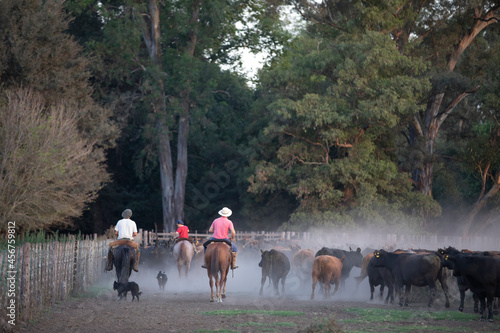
(208, 242)
(119, 242)
(182, 239)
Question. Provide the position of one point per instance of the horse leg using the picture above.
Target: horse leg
(218, 289)
(211, 283)
(224, 287)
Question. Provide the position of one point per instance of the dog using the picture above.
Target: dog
(162, 280)
(124, 288)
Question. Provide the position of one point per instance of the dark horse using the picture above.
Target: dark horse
(124, 260)
(218, 261)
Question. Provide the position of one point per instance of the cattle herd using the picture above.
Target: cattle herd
(394, 270)
(398, 270)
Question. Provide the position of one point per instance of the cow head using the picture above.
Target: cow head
(379, 258)
(449, 262)
(263, 256)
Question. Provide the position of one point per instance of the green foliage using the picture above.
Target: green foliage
(334, 109)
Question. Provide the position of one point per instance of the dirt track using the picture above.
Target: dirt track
(183, 305)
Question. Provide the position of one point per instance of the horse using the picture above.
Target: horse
(218, 260)
(124, 260)
(183, 253)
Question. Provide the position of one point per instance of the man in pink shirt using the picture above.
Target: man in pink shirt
(220, 228)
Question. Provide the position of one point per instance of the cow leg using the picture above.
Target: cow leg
(283, 285)
(390, 293)
(444, 286)
(327, 288)
(401, 295)
(262, 283)
(337, 284)
(315, 280)
(407, 294)
(476, 303)
(482, 307)
(432, 295)
(381, 295)
(490, 308)
(462, 298)
(372, 290)
(276, 286)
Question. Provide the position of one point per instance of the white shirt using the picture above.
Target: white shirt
(126, 228)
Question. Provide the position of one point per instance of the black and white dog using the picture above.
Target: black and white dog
(124, 288)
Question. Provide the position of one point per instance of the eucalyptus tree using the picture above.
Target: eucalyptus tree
(335, 104)
(170, 55)
(448, 34)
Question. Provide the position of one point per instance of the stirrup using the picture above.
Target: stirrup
(204, 266)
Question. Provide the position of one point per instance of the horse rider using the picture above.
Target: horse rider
(220, 228)
(126, 230)
(182, 233)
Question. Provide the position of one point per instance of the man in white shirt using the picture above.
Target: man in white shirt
(125, 229)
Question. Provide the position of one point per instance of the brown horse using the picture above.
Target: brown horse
(183, 253)
(218, 261)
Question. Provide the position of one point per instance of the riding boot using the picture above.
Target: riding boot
(109, 264)
(233, 262)
(137, 257)
(204, 266)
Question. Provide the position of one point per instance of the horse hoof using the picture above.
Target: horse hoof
(223, 295)
(212, 300)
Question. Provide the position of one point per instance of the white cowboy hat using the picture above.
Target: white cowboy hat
(225, 212)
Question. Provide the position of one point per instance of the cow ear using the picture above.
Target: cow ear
(358, 250)
(261, 251)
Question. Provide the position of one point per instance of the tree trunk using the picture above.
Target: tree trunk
(183, 127)
(152, 38)
(428, 127)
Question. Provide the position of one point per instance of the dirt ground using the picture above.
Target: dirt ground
(183, 307)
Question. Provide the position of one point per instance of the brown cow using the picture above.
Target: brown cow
(302, 262)
(327, 270)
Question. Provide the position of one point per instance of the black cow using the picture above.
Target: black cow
(352, 258)
(275, 265)
(413, 269)
(462, 283)
(380, 276)
(482, 272)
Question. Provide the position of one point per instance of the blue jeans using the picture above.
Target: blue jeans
(233, 246)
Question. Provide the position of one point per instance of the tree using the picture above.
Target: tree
(445, 33)
(48, 170)
(337, 103)
(55, 96)
(184, 41)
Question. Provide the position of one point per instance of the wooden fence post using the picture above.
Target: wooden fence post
(24, 291)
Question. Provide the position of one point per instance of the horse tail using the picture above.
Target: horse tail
(125, 271)
(215, 266)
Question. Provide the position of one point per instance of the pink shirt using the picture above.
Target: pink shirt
(221, 227)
